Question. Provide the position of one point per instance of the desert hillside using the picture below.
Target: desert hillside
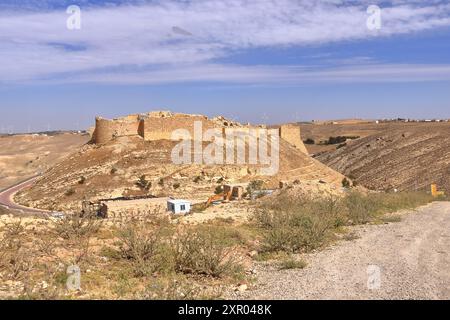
(403, 156)
(118, 168)
(22, 156)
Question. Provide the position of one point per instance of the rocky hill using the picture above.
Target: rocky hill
(403, 156)
(130, 166)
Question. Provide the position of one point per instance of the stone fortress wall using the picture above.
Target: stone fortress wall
(291, 133)
(161, 128)
(160, 125)
(106, 130)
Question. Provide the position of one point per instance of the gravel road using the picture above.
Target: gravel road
(405, 260)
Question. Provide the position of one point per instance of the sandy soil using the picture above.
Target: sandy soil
(412, 258)
(23, 156)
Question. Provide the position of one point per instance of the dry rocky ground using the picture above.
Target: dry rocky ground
(113, 170)
(412, 257)
(411, 254)
(403, 156)
(22, 156)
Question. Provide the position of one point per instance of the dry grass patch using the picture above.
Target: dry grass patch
(296, 224)
(292, 263)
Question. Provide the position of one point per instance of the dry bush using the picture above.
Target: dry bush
(145, 246)
(363, 209)
(172, 288)
(296, 224)
(160, 248)
(71, 237)
(292, 263)
(76, 226)
(49, 287)
(203, 253)
(16, 259)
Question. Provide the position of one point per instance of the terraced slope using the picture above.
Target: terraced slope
(406, 157)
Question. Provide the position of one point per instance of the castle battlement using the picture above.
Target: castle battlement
(159, 125)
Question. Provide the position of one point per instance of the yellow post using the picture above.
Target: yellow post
(434, 191)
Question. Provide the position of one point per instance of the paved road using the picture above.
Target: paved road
(405, 260)
(6, 198)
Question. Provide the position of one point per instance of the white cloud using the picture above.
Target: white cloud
(271, 75)
(137, 43)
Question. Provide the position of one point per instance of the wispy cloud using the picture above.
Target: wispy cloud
(174, 41)
(261, 74)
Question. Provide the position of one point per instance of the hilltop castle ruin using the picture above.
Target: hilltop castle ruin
(160, 125)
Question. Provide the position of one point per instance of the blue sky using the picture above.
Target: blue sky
(256, 61)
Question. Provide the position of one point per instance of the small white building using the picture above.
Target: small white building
(179, 206)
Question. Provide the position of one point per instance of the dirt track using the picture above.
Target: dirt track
(413, 257)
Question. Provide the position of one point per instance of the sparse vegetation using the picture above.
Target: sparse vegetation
(339, 139)
(292, 263)
(391, 218)
(309, 141)
(160, 248)
(254, 186)
(297, 225)
(218, 190)
(346, 183)
(69, 192)
(144, 248)
(76, 226)
(202, 253)
(15, 261)
(143, 183)
(145, 259)
(82, 180)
